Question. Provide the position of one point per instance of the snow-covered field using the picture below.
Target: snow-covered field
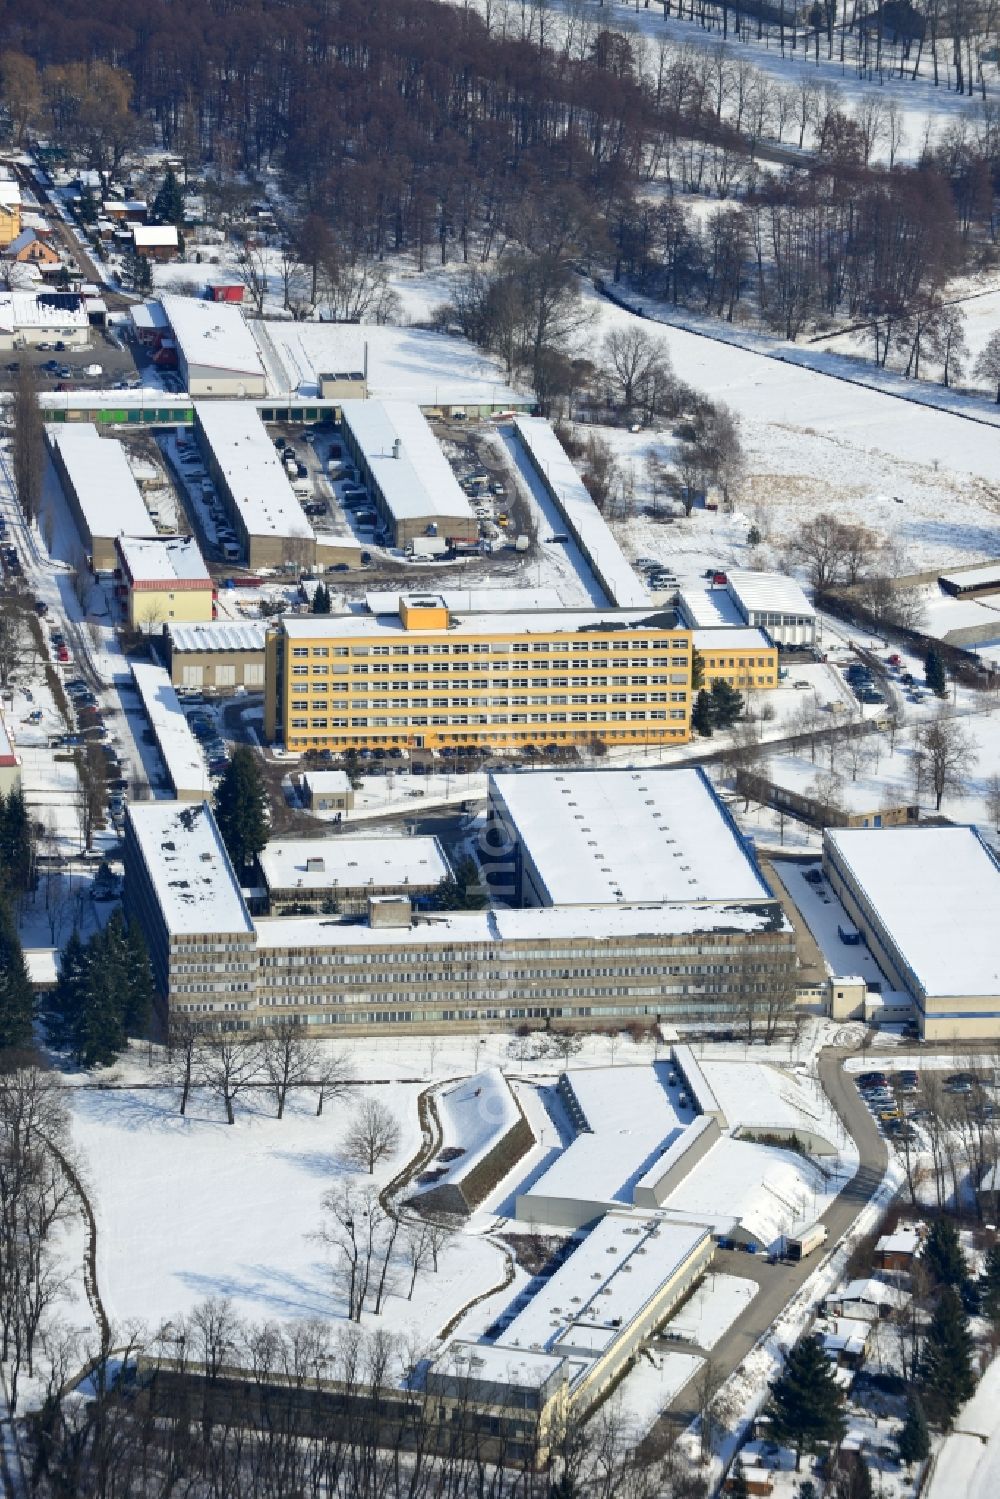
(813, 441)
(191, 1208)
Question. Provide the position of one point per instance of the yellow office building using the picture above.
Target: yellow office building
(430, 677)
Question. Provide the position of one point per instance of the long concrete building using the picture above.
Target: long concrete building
(685, 957)
(101, 492)
(427, 676)
(408, 476)
(927, 903)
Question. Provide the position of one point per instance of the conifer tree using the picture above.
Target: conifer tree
(70, 992)
(168, 205)
(806, 1405)
(946, 1362)
(17, 1002)
(141, 989)
(702, 717)
(914, 1441)
(934, 673)
(241, 809)
(989, 1285)
(17, 844)
(942, 1255)
(727, 704)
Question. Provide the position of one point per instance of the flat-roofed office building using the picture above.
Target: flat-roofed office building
(427, 676)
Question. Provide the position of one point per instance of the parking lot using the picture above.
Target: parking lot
(55, 366)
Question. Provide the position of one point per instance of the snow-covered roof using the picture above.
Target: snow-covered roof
(871, 1292)
(180, 750)
(757, 1096)
(42, 309)
(189, 868)
(148, 316)
(709, 609)
(580, 923)
(167, 559)
(10, 192)
(561, 622)
(769, 591)
(604, 836)
(764, 1189)
(586, 523)
(936, 892)
(475, 1114)
(474, 600)
(220, 635)
(104, 484)
(509, 1368)
(720, 639)
(419, 481)
(246, 455)
(604, 1285)
(973, 577)
(632, 1118)
(403, 363)
(905, 1240)
(327, 782)
(213, 335)
(155, 236)
(351, 863)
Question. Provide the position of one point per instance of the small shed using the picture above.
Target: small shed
(328, 791)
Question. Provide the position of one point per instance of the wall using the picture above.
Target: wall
(217, 671)
(157, 606)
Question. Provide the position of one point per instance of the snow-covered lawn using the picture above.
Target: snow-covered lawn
(191, 1208)
(712, 1310)
(650, 1385)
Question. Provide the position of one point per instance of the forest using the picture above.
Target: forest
(439, 132)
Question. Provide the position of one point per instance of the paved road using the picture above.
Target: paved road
(779, 1283)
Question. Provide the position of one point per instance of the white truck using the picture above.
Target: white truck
(803, 1238)
(428, 546)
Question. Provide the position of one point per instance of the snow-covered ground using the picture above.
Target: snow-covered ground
(968, 1462)
(813, 441)
(712, 1310)
(191, 1208)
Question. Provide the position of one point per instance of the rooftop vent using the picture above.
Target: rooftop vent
(315, 866)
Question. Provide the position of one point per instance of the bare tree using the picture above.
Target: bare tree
(352, 1228)
(185, 1042)
(231, 1063)
(27, 442)
(419, 1249)
(373, 1134)
(634, 360)
(92, 781)
(991, 796)
(289, 1059)
(16, 643)
(945, 753)
(331, 1075)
